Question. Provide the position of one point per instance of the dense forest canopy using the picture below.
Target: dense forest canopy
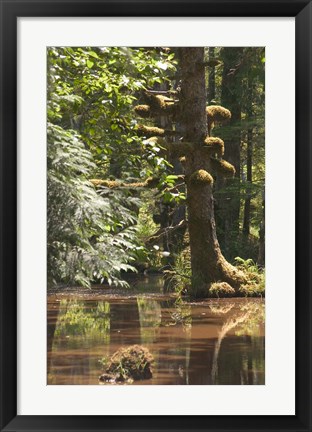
(123, 170)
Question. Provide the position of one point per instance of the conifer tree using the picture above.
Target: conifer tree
(201, 155)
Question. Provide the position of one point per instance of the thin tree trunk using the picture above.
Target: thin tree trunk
(261, 256)
(247, 205)
(231, 91)
(212, 76)
(247, 215)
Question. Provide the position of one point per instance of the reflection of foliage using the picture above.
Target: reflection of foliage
(150, 318)
(256, 316)
(181, 315)
(146, 227)
(88, 321)
(221, 309)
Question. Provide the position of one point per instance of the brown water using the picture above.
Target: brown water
(210, 342)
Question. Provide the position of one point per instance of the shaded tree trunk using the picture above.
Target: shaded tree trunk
(247, 205)
(212, 76)
(231, 92)
(261, 255)
(207, 261)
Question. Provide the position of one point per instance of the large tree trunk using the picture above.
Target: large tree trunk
(208, 263)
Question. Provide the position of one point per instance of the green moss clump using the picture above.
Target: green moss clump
(106, 183)
(150, 131)
(112, 184)
(221, 289)
(214, 145)
(129, 364)
(161, 104)
(143, 110)
(223, 168)
(200, 178)
(217, 113)
(162, 101)
(158, 105)
(159, 101)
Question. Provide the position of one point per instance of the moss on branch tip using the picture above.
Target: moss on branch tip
(150, 130)
(143, 110)
(223, 168)
(200, 178)
(157, 105)
(160, 102)
(214, 145)
(150, 182)
(217, 113)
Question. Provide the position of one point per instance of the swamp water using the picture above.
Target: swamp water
(216, 341)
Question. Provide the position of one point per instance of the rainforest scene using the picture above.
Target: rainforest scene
(155, 215)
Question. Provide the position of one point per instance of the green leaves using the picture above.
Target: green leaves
(91, 134)
(88, 233)
(90, 64)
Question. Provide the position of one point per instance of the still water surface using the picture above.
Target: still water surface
(209, 342)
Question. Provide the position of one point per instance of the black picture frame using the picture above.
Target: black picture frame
(10, 11)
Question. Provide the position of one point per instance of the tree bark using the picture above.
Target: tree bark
(261, 255)
(231, 93)
(212, 77)
(247, 205)
(246, 223)
(207, 261)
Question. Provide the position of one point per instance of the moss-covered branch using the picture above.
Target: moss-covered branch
(214, 146)
(216, 114)
(150, 131)
(157, 105)
(200, 178)
(222, 168)
(114, 184)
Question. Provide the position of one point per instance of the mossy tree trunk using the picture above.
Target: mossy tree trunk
(207, 261)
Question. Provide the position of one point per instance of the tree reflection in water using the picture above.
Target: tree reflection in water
(214, 342)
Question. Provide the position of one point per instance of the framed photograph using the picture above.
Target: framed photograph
(155, 215)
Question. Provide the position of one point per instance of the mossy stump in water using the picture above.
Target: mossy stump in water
(221, 289)
(129, 364)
